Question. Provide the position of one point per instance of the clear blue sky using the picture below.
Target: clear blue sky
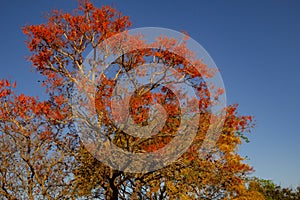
(255, 44)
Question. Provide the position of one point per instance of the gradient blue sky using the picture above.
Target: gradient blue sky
(255, 44)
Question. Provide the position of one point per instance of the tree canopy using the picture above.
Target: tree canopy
(43, 153)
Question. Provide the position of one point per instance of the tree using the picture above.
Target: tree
(68, 169)
(33, 165)
(271, 191)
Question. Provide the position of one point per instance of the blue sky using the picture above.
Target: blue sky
(255, 44)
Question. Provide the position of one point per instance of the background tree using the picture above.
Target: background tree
(271, 191)
(67, 169)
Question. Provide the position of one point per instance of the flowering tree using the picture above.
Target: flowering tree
(42, 156)
(33, 165)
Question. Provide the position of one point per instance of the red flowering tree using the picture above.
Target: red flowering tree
(43, 157)
(33, 165)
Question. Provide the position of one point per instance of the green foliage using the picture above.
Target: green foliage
(271, 191)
